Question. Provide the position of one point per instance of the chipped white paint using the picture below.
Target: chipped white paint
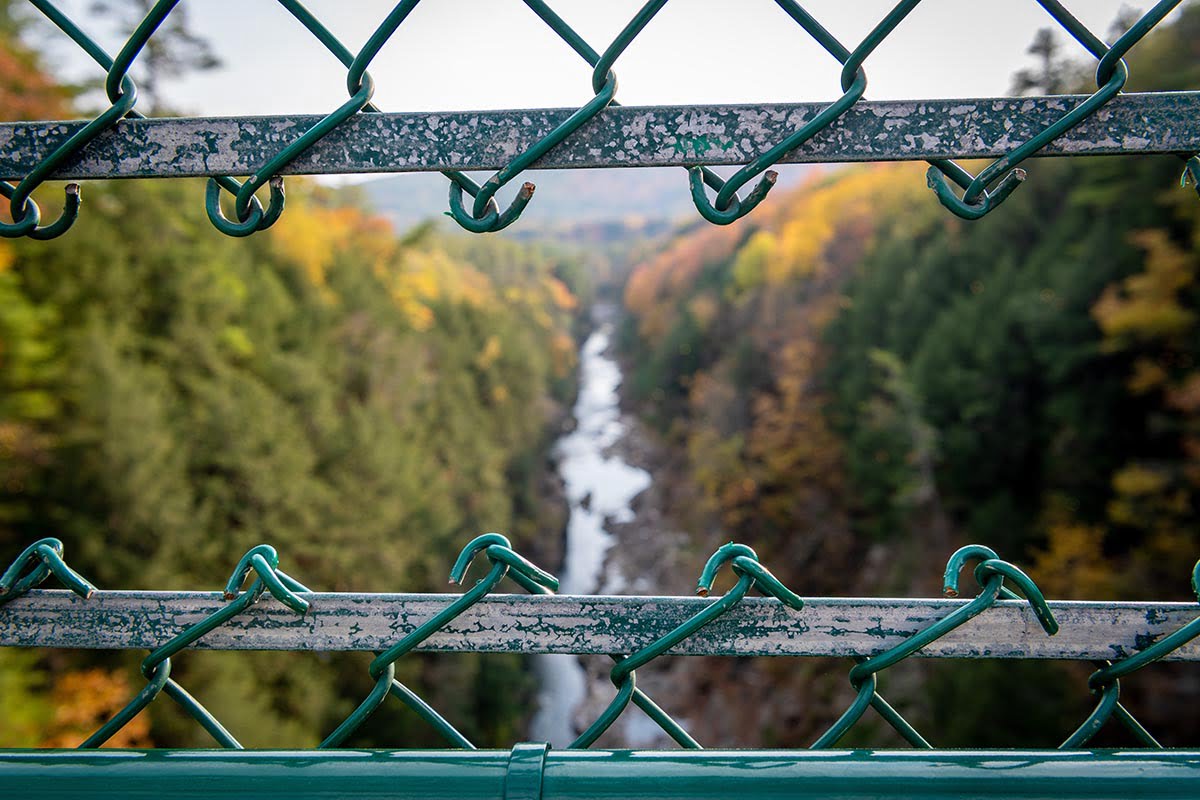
(619, 136)
(592, 625)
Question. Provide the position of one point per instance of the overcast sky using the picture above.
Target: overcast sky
(491, 54)
(478, 54)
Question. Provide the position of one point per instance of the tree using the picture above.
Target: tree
(1053, 74)
(174, 49)
(26, 91)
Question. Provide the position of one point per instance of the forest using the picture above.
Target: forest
(858, 383)
(367, 403)
(850, 379)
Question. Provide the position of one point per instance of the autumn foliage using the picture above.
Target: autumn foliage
(857, 383)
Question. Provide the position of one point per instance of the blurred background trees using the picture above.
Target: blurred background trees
(851, 380)
(858, 382)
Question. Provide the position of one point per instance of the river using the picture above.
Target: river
(600, 487)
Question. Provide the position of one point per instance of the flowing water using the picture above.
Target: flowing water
(600, 487)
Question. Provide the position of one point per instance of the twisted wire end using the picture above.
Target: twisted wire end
(1191, 172)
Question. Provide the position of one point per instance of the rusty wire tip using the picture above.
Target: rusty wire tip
(770, 176)
(458, 572)
(1191, 173)
(73, 190)
(1019, 174)
(527, 190)
(949, 591)
(229, 595)
(276, 183)
(702, 591)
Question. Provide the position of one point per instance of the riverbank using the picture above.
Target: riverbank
(600, 487)
(636, 526)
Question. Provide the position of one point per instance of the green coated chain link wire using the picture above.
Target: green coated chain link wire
(980, 193)
(44, 558)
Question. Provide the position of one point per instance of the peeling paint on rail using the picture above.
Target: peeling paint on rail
(595, 625)
(626, 136)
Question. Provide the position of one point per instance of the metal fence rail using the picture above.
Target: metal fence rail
(1004, 620)
(619, 136)
(826, 626)
(357, 137)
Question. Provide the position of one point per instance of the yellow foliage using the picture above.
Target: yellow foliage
(311, 236)
(834, 223)
(718, 470)
(419, 316)
(314, 237)
(791, 436)
(1147, 376)
(1073, 565)
(490, 352)
(421, 275)
(824, 223)
(1146, 306)
(1137, 480)
(1150, 498)
(429, 275)
(469, 286)
(753, 260)
(789, 458)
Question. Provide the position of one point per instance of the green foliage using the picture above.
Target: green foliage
(994, 324)
(173, 397)
(24, 705)
(877, 382)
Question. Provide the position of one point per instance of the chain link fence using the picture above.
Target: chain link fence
(265, 608)
(1015, 621)
(358, 137)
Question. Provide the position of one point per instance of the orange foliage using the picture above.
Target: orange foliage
(560, 295)
(826, 223)
(563, 355)
(84, 701)
(770, 456)
(654, 287)
(25, 91)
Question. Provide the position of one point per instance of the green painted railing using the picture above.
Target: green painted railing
(357, 137)
(530, 772)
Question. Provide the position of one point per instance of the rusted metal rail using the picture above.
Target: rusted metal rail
(619, 136)
(592, 625)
